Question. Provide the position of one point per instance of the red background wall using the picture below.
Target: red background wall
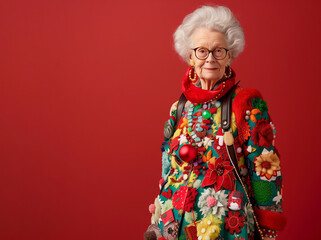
(87, 85)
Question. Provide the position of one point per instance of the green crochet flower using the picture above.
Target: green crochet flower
(260, 104)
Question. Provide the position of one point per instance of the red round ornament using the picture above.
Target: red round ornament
(188, 153)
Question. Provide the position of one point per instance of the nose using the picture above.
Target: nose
(210, 58)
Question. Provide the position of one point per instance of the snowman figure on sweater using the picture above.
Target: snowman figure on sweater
(235, 200)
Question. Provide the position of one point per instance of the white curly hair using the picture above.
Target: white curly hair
(216, 18)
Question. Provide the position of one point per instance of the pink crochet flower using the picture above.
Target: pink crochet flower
(211, 201)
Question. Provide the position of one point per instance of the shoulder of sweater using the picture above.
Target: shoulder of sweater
(245, 94)
(242, 102)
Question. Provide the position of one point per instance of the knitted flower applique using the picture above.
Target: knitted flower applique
(209, 228)
(219, 174)
(234, 222)
(267, 165)
(211, 202)
(262, 134)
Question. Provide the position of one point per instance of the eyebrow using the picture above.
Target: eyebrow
(207, 48)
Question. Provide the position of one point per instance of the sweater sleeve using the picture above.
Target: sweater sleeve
(257, 133)
(263, 163)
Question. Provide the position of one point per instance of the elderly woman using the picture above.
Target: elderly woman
(221, 175)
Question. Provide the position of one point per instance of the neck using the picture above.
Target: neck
(198, 94)
(207, 85)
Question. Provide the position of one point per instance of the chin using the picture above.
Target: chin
(212, 78)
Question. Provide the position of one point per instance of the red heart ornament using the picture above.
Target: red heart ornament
(168, 194)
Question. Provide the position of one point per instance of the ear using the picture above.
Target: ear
(191, 59)
(229, 57)
(190, 56)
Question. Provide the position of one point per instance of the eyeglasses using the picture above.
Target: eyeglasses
(203, 53)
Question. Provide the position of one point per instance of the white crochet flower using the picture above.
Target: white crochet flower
(211, 202)
(156, 216)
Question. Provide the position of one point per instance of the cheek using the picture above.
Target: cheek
(198, 67)
(222, 66)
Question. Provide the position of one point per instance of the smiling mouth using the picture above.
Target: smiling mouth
(210, 68)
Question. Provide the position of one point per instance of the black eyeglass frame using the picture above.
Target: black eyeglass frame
(211, 51)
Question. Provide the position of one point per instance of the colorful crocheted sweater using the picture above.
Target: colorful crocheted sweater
(202, 199)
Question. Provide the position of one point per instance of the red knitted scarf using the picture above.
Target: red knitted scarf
(199, 95)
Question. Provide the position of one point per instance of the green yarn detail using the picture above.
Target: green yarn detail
(262, 191)
(174, 113)
(182, 237)
(198, 106)
(260, 104)
(233, 96)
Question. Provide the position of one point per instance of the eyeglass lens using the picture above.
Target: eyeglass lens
(202, 53)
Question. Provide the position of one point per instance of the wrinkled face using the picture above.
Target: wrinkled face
(209, 69)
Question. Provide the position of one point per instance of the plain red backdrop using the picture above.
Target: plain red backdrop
(86, 87)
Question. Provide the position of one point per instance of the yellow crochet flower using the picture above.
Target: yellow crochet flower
(209, 228)
(267, 164)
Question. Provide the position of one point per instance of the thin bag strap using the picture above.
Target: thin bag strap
(226, 108)
(226, 125)
(180, 107)
(229, 142)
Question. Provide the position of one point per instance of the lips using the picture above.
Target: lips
(210, 68)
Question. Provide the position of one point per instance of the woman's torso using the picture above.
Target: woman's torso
(205, 188)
